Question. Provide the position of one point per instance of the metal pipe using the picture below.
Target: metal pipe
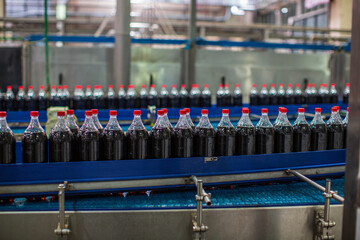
(207, 199)
(199, 205)
(327, 201)
(46, 45)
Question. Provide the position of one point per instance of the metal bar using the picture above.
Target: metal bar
(327, 201)
(202, 191)
(46, 45)
(190, 50)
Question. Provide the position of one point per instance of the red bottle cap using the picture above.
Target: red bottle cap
(318, 110)
(165, 110)
(220, 85)
(183, 86)
(53, 87)
(297, 85)
(264, 110)
(112, 113)
(88, 87)
(78, 87)
(137, 112)
(59, 87)
(325, 85)
(225, 111)
(204, 111)
(313, 85)
(289, 85)
(280, 108)
(272, 85)
(163, 86)
(70, 112)
(2, 114)
(94, 111)
(254, 85)
(206, 85)
(237, 85)
(348, 84)
(174, 86)
(332, 85)
(245, 110)
(308, 85)
(130, 86)
(8, 87)
(283, 110)
(61, 114)
(226, 85)
(301, 110)
(160, 112)
(34, 113)
(66, 86)
(121, 86)
(347, 109)
(333, 109)
(143, 86)
(182, 112)
(88, 113)
(21, 87)
(187, 110)
(281, 85)
(337, 108)
(41, 87)
(264, 85)
(111, 86)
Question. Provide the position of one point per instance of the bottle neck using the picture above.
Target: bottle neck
(301, 118)
(204, 122)
(113, 124)
(167, 121)
(88, 125)
(3, 124)
(137, 123)
(245, 121)
(335, 117)
(264, 121)
(183, 123)
(346, 119)
(317, 119)
(160, 122)
(60, 124)
(225, 121)
(189, 120)
(34, 125)
(71, 122)
(96, 121)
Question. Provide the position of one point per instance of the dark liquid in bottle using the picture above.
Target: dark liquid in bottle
(346, 98)
(182, 143)
(334, 98)
(89, 102)
(245, 140)
(318, 137)
(298, 99)
(75, 156)
(194, 100)
(254, 99)
(60, 146)
(20, 102)
(99, 102)
(289, 99)
(273, 100)
(302, 138)
(137, 144)
(121, 102)
(160, 139)
(35, 148)
(9, 104)
(264, 99)
(204, 142)
(264, 140)
(79, 102)
(112, 145)
(111, 102)
(143, 101)
(335, 136)
(237, 100)
(184, 101)
(152, 100)
(225, 141)
(205, 101)
(280, 99)
(7, 148)
(89, 145)
(283, 139)
(43, 103)
(220, 100)
(174, 101)
(31, 103)
(164, 101)
(227, 100)
(345, 134)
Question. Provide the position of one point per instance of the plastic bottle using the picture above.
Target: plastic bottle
(254, 97)
(66, 96)
(327, 94)
(308, 99)
(283, 133)
(335, 130)
(160, 138)
(289, 95)
(143, 96)
(298, 96)
(264, 96)
(60, 141)
(60, 97)
(334, 96)
(153, 96)
(182, 138)
(2, 102)
(43, 101)
(7, 142)
(137, 139)
(188, 118)
(281, 94)
(206, 96)
(323, 94)
(318, 132)
(273, 95)
(345, 124)
(121, 97)
(112, 140)
(74, 128)
(167, 121)
(237, 96)
(9, 100)
(227, 96)
(220, 102)
(89, 97)
(302, 133)
(53, 96)
(20, 99)
(164, 97)
(184, 96)
(99, 97)
(194, 96)
(111, 98)
(264, 134)
(79, 100)
(96, 121)
(225, 136)
(34, 141)
(346, 93)
(245, 135)
(204, 137)
(31, 101)
(314, 94)
(89, 139)
(131, 97)
(174, 98)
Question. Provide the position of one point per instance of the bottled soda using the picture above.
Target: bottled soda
(314, 94)
(334, 96)
(60, 97)
(345, 123)
(143, 96)
(254, 97)
(34, 141)
(137, 139)
(289, 95)
(204, 136)
(264, 134)
(167, 121)
(245, 135)
(160, 138)
(43, 101)
(184, 96)
(237, 96)
(225, 136)
(273, 95)
(99, 98)
(96, 121)
(7, 142)
(66, 96)
(346, 93)
(298, 96)
(9, 100)
(20, 99)
(79, 100)
(283, 133)
(194, 96)
(153, 96)
(281, 94)
(182, 138)
(220, 96)
(74, 128)
(89, 98)
(88, 138)
(121, 97)
(2, 102)
(31, 101)
(264, 96)
(206, 96)
(164, 97)
(53, 96)
(112, 140)
(335, 130)
(323, 94)
(188, 118)
(327, 98)
(318, 132)
(308, 98)
(302, 133)
(174, 98)
(131, 97)
(111, 98)
(227, 96)
(60, 141)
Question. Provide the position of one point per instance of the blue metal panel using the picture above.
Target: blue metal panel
(24, 116)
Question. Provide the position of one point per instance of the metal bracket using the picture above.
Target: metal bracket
(62, 229)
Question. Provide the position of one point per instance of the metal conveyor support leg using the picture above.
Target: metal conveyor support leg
(62, 229)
